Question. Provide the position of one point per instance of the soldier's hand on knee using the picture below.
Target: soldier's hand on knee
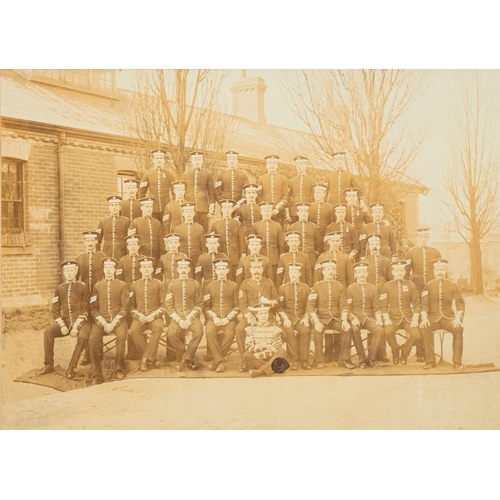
(424, 323)
(64, 330)
(346, 326)
(355, 322)
(414, 323)
(318, 326)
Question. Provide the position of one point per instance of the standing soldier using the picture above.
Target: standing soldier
(200, 189)
(129, 267)
(364, 312)
(327, 308)
(254, 242)
(109, 308)
(130, 206)
(204, 272)
(221, 310)
(379, 226)
(232, 241)
(339, 180)
(254, 291)
(249, 213)
(157, 181)
(400, 304)
(379, 267)
(148, 229)
(438, 298)
(70, 311)
(355, 214)
(349, 242)
(230, 182)
(112, 231)
(191, 233)
(293, 296)
(344, 272)
(320, 212)
(293, 257)
(172, 216)
(166, 269)
(184, 304)
(300, 189)
(147, 306)
(273, 237)
(274, 188)
(310, 242)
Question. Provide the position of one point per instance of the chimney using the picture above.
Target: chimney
(248, 96)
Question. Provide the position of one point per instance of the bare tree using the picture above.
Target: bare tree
(179, 108)
(472, 178)
(366, 113)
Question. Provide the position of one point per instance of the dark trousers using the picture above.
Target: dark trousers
(146, 349)
(177, 338)
(332, 347)
(202, 220)
(220, 350)
(413, 337)
(376, 333)
(419, 283)
(297, 347)
(96, 345)
(262, 364)
(345, 342)
(458, 340)
(54, 332)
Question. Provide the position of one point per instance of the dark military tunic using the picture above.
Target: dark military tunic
(90, 268)
(251, 293)
(147, 296)
(232, 241)
(110, 298)
(274, 188)
(344, 273)
(221, 299)
(172, 217)
(184, 300)
(200, 189)
(388, 246)
(158, 182)
(204, 272)
(310, 240)
(191, 240)
(130, 209)
(419, 265)
(166, 269)
(300, 191)
(70, 302)
(363, 301)
(349, 238)
(321, 214)
(337, 182)
(149, 229)
(282, 273)
(293, 297)
(111, 238)
(129, 268)
(400, 299)
(229, 185)
(327, 301)
(273, 243)
(379, 270)
(356, 217)
(248, 215)
(437, 300)
(243, 269)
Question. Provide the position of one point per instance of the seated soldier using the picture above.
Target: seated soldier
(70, 311)
(147, 299)
(109, 304)
(263, 343)
(221, 310)
(184, 303)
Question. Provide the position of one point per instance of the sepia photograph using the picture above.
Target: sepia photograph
(181, 247)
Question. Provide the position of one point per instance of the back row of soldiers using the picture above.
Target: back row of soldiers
(249, 235)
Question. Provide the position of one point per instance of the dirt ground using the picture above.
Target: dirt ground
(462, 401)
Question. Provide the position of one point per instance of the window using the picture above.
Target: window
(96, 81)
(12, 197)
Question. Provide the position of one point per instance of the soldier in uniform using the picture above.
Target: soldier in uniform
(364, 312)
(232, 241)
(310, 242)
(249, 213)
(157, 181)
(229, 183)
(379, 267)
(112, 231)
(254, 243)
(166, 269)
(148, 229)
(355, 214)
(70, 311)
(293, 296)
(349, 242)
(263, 343)
(339, 180)
(184, 305)
(327, 308)
(300, 189)
(204, 272)
(147, 306)
(400, 304)
(293, 257)
(274, 188)
(130, 206)
(109, 304)
(191, 233)
(172, 215)
(254, 291)
(320, 212)
(129, 267)
(344, 271)
(273, 237)
(438, 298)
(200, 189)
(221, 311)
(379, 226)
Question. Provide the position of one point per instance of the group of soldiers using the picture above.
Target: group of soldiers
(289, 261)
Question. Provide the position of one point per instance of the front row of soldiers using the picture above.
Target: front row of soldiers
(258, 315)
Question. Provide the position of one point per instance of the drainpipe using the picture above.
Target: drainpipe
(60, 161)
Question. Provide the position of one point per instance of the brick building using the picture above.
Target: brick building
(64, 149)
